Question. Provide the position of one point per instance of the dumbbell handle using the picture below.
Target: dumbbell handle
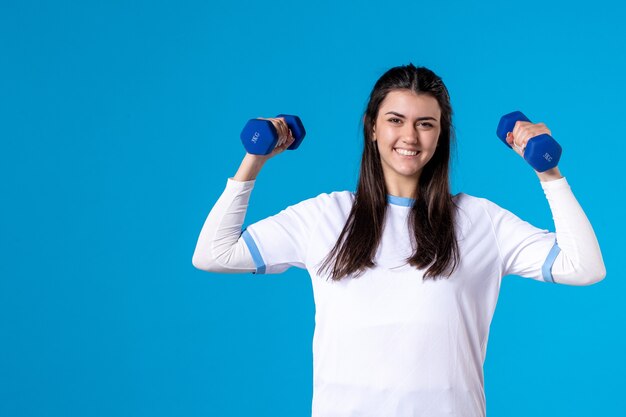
(542, 152)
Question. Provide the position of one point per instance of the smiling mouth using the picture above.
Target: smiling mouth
(403, 152)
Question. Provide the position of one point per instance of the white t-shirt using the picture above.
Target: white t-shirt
(389, 343)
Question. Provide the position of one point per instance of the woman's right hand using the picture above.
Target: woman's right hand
(285, 137)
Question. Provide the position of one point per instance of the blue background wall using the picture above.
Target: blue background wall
(119, 126)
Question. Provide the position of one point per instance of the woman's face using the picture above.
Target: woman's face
(406, 130)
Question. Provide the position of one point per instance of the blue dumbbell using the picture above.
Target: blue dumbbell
(542, 152)
(260, 137)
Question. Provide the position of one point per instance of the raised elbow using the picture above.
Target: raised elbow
(196, 262)
(579, 271)
(594, 276)
(588, 276)
(201, 263)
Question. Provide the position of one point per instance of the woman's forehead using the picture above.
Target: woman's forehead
(409, 104)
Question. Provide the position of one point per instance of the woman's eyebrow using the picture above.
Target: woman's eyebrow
(404, 117)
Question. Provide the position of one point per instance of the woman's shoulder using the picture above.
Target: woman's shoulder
(478, 207)
(342, 200)
(330, 207)
(462, 198)
(337, 196)
(466, 198)
(472, 203)
(327, 201)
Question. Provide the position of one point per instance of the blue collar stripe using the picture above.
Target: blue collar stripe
(400, 201)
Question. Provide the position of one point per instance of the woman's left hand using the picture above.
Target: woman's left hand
(523, 132)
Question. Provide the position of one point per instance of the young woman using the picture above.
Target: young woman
(405, 275)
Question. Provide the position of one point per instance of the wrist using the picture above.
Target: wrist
(549, 175)
(250, 167)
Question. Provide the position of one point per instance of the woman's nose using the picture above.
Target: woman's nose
(411, 135)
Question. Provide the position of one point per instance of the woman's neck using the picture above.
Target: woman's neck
(402, 188)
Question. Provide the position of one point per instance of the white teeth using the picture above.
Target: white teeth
(405, 152)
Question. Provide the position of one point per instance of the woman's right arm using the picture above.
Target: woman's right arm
(220, 247)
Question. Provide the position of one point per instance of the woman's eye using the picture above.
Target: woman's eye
(396, 120)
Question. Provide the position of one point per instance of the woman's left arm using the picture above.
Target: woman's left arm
(580, 260)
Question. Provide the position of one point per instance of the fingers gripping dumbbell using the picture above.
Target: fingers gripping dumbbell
(542, 152)
(260, 137)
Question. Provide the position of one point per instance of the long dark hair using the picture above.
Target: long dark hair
(432, 215)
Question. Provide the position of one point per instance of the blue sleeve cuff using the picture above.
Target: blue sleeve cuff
(547, 265)
(254, 251)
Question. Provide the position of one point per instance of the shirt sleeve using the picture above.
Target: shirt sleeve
(571, 255)
(579, 261)
(281, 241)
(220, 247)
(525, 250)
